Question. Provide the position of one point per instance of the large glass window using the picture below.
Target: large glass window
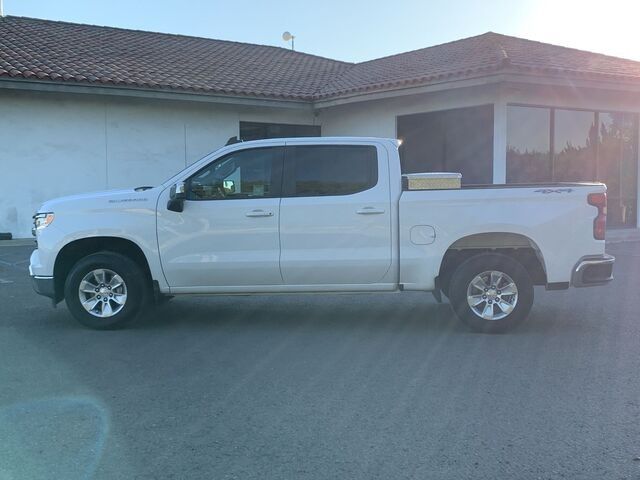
(320, 170)
(250, 173)
(562, 145)
(457, 140)
(260, 130)
(528, 145)
(574, 142)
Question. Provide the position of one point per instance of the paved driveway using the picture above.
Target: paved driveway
(317, 387)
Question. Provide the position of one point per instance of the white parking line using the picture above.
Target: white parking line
(2, 280)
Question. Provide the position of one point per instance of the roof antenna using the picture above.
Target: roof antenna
(286, 36)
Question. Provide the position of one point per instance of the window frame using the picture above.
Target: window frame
(288, 176)
(276, 175)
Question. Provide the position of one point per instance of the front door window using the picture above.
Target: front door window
(243, 174)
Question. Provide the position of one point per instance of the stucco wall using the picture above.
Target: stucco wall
(53, 145)
(378, 117)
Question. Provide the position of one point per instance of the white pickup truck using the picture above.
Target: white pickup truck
(318, 215)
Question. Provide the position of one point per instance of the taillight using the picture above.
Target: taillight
(599, 200)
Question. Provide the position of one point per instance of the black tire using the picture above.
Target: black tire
(135, 280)
(477, 265)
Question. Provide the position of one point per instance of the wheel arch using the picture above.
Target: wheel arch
(515, 245)
(73, 251)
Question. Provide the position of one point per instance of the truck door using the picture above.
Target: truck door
(335, 219)
(227, 234)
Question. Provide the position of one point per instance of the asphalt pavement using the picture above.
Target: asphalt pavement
(371, 386)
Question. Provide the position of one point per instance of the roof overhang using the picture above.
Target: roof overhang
(116, 91)
(501, 77)
(531, 78)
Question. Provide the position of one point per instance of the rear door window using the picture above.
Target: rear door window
(322, 170)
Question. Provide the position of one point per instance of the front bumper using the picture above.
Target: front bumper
(593, 270)
(44, 286)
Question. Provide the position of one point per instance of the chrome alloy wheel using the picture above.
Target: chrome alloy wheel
(492, 295)
(102, 293)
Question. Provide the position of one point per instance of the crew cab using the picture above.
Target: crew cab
(319, 215)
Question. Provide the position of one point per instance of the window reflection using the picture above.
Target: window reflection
(586, 146)
(574, 146)
(528, 141)
(617, 165)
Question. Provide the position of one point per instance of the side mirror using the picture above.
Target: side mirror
(177, 196)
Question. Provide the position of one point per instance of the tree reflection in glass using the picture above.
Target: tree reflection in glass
(574, 141)
(528, 142)
(617, 165)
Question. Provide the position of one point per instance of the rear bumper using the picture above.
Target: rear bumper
(44, 286)
(593, 270)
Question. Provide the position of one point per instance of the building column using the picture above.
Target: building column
(500, 141)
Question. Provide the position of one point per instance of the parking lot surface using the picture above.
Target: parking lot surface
(322, 386)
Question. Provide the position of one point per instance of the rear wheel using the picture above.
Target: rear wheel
(491, 293)
(105, 290)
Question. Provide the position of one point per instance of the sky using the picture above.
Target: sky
(359, 30)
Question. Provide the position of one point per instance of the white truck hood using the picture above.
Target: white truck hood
(104, 199)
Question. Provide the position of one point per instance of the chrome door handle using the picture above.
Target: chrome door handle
(259, 213)
(370, 211)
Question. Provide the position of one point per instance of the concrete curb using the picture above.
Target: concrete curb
(18, 242)
(623, 240)
(623, 236)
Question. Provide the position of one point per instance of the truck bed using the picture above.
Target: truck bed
(537, 215)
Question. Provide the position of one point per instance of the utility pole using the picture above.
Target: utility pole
(1, 9)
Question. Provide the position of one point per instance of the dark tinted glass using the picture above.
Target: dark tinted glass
(458, 140)
(528, 144)
(320, 170)
(242, 174)
(259, 130)
(574, 146)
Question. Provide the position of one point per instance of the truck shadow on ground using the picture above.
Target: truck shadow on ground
(286, 312)
(325, 313)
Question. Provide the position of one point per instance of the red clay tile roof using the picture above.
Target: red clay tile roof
(476, 56)
(67, 52)
(47, 50)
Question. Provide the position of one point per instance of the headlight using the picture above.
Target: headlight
(42, 220)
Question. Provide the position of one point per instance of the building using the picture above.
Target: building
(89, 108)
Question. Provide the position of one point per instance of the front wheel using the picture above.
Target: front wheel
(105, 290)
(491, 293)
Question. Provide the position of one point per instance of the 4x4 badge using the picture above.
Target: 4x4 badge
(554, 190)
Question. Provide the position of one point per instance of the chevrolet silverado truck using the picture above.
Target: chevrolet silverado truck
(310, 215)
